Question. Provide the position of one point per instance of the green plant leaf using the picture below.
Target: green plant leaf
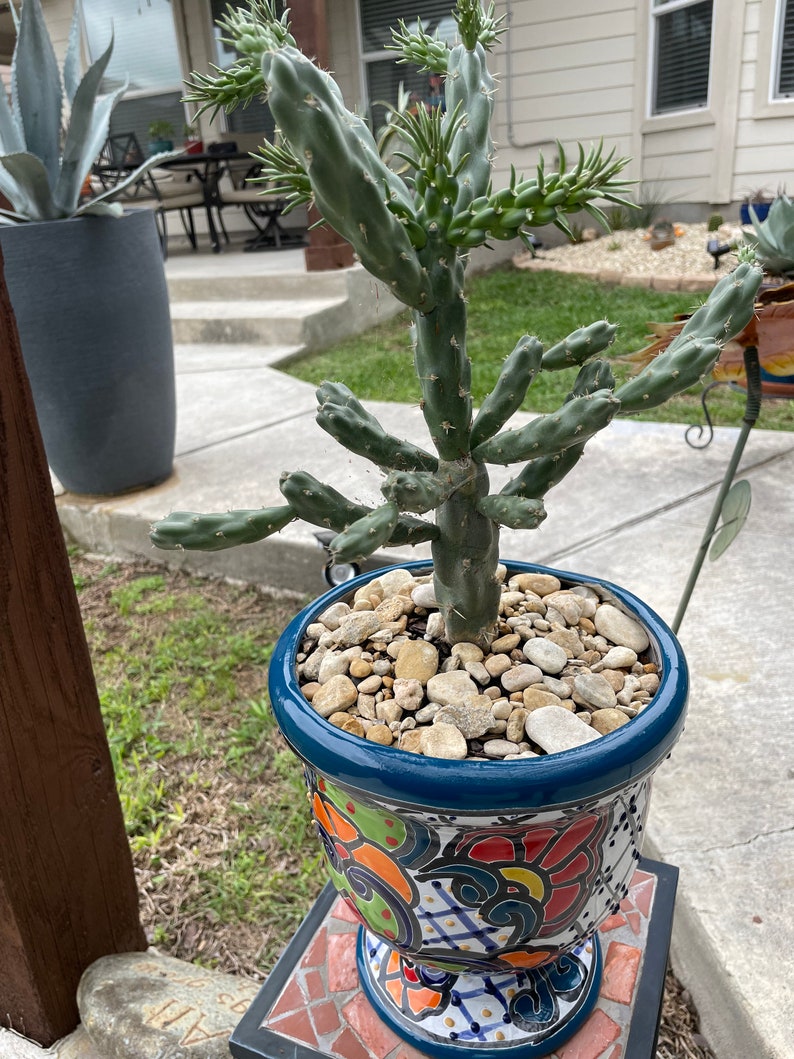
(734, 511)
(23, 181)
(12, 140)
(71, 65)
(88, 129)
(36, 89)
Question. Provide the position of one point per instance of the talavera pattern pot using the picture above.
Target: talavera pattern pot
(480, 885)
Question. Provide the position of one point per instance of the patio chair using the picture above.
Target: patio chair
(262, 209)
(159, 189)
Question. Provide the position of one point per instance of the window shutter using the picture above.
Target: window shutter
(785, 74)
(379, 16)
(683, 55)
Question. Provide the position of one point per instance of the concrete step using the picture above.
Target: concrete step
(270, 286)
(288, 321)
(195, 358)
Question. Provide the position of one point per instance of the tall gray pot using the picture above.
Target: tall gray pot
(91, 305)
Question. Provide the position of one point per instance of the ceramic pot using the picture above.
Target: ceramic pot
(91, 305)
(480, 885)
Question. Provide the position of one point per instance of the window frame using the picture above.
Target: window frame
(766, 103)
(689, 114)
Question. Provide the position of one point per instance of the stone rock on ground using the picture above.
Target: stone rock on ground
(145, 1006)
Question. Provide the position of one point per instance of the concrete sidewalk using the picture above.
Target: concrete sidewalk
(633, 511)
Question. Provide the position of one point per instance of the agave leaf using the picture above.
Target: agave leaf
(71, 65)
(36, 89)
(101, 209)
(89, 125)
(12, 140)
(734, 511)
(24, 182)
(113, 193)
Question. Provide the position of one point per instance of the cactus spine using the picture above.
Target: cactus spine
(414, 234)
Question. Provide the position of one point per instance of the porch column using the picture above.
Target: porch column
(67, 887)
(326, 249)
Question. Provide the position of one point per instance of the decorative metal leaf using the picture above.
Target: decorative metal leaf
(734, 511)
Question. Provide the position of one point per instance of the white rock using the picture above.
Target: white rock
(357, 627)
(425, 596)
(331, 617)
(408, 693)
(452, 689)
(443, 740)
(556, 729)
(619, 658)
(549, 657)
(620, 628)
(595, 690)
(471, 721)
(520, 677)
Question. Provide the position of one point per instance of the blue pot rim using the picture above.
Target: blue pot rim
(614, 761)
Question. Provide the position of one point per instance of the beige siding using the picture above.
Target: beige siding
(568, 78)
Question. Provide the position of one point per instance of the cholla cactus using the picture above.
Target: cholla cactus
(414, 234)
(42, 170)
(773, 238)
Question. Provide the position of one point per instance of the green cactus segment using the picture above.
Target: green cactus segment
(442, 367)
(695, 350)
(352, 186)
(342, 415)
(469, 91)
(211, 533)
(580, 346)
(317, 503)
(540, 475)
(515, 378)
(773, 238)
(465, 558)
(365, 535)
(415, 491)
(575, 422)
(597, 375)
(515, 512)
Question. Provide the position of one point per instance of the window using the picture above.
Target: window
(145, 52)
(384, 74)
(783, 83)
(681, 36)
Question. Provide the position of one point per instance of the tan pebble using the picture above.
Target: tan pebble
(388, 680)
(517, 697)
(353, 726)
(605, 721)
(586, 625)
(411, 741)
(390, 609)
(505, 644)
(363, 604)
(650, 683)
(336, 694)
(360, 668)
(650, 667)
(498, 664)
(502, 709)
(309, 689)
(568, 640)
(388, 711)
(540, 584)
(584, 715)
(380, 733)
(568, 704)
(416, 660)
(615, 678)
(339, 719)
(492, 693)
(467, 652)
(514, 729)
(445, 741)
(369, 685)
(533, 699)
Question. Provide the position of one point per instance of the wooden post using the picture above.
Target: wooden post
(67, 887)
(326, 249)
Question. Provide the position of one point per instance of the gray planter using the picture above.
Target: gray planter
(91, 305)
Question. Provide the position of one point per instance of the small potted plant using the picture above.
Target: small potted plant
(420, 699)
(85, 276)
(193, 143)
(755, 206)
(161, 137)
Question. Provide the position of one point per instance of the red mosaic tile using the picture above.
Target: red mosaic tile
(348, 1046)
(642, 892)
(593, 1038)
(314, 985)
(615, 921)
(292, 999)
(298, 1026)
(634, 921)
(317, 950)
(343, 911)
(377, 1036)
(325, 1018)
(621, 968)
(342, 970)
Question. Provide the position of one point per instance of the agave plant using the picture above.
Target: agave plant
(43, 168)
(413, 230)
(773, 238)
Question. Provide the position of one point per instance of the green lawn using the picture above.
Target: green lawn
(506, 303)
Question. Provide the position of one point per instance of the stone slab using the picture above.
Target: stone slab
(146, 1006)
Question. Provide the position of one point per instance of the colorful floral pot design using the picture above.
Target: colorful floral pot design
(480, 885)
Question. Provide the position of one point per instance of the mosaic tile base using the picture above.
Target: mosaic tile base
(313, 1006)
